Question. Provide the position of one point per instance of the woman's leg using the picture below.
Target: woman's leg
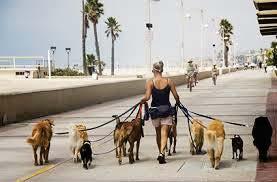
(164, 136)
(158, 137)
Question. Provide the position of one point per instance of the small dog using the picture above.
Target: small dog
(131, 132)
(237, 145)
(262, 133)
(215, 136)
(197, 132)
(86, 154)
(116, 135)
(41, 137)
(76, 140)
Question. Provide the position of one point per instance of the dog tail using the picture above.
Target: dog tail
(32, 140)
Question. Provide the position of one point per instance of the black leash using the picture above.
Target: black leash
(186, 113)
(131, 109)
(205, 116)
(102, 137)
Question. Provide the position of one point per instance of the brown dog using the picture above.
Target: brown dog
(172, 136)
(215, 136)
(41, 137)
(197, 132)
(131, 132)
(116, 135)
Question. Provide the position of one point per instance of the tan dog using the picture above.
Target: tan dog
(197, 132)
(76, 140)
(215, 136)
(131, 132)
(116, 135)
(41, 137)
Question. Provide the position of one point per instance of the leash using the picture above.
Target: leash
(186, 113)
(131, 109)
(232, 123)
(102, 137)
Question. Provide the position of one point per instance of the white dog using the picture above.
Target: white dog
(76, 140)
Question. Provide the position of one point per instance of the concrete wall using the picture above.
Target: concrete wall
(18, 107)
(225, 70)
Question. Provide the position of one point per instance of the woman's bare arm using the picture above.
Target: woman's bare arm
(148, 92)
(173, 91)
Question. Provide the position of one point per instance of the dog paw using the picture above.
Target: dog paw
(137, 159)
(119, 162)
(169, 154)
(216, 167)
(36, 164)
(174, 151)
(46, 161)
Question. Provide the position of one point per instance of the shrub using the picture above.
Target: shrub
(66, 72)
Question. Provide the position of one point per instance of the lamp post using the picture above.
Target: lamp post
(149, 26)
(202, 27)
(214, 61)
(68, 50)
(53, 49)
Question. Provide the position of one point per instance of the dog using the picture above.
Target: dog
(237, 145)
(41, 137)
(116, 135)
(215, 136)
(86, 154)
(131, 132)
(262, 133)
(197, 132)
(76, 140)
(173, 136)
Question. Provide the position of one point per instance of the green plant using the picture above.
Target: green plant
(91, 61)
(113, 29)
(66, 72)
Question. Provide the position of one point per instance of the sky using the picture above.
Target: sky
(30, 27)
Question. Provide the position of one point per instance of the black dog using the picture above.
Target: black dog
(86, 154)
(237, 145)
(262, 133)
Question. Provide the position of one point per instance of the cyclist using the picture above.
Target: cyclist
(214, 74)
(190, 71)
(195, 75)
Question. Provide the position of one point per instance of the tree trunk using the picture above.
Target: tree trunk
(97, 48)
(226, 49)
(84, 40)
(112, 63)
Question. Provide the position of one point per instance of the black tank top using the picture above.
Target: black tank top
(160, 96)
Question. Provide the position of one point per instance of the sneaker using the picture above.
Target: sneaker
(161, 159)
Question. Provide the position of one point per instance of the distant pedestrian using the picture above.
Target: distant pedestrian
(260, 65)
(160, 111)
(265, 67)
(214, 74)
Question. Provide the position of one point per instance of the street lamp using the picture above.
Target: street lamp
(53, 49)
(149, 26)
(214, 61)
(68, 50)
(202, 27)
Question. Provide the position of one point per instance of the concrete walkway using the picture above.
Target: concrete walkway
(238, 97)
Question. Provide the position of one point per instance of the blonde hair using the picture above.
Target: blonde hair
(158, 66)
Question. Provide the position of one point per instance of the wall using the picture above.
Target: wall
(18, 107)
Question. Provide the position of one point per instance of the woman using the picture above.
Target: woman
(160, 88)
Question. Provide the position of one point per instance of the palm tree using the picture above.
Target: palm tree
(85, 26)
(226, 30)
(113, 29)
(94, 10)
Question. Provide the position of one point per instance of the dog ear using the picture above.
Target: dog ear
(50, 121)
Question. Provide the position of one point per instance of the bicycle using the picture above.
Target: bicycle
(190, 82)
